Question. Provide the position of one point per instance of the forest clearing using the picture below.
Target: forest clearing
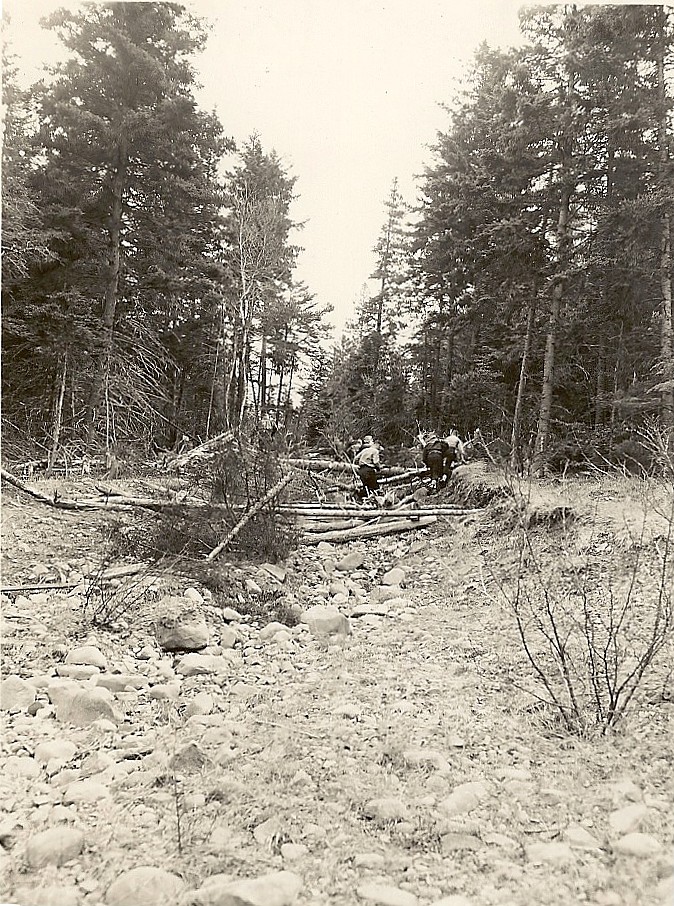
(393, 756)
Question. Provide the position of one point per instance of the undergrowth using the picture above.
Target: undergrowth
(234, 482)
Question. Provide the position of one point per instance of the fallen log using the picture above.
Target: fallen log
(37, 586)
(203, 451)
(328, 465)
(105, 575)
(320, 513)
(409, 475)
(308, 525)
(53, 500)
(369, 531)
(113, 503)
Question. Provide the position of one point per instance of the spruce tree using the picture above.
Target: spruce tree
(130, 175)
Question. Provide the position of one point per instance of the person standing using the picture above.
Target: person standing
(367, 462)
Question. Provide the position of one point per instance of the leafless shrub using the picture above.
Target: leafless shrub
(659, 441)
(591, 628)
(107, 602)
(233, 482)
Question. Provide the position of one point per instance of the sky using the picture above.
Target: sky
(347, 92)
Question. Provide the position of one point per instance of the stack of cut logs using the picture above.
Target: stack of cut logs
(378, 515)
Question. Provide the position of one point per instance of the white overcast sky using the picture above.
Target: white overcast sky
(347, 92)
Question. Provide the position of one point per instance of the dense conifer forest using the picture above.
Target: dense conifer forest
(149, 258)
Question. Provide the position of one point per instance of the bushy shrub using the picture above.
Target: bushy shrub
(222, 489)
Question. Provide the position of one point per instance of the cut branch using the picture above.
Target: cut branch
(260, 505)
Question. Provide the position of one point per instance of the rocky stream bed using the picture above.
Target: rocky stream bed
(373, 748)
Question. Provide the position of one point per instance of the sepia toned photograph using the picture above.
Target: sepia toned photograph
(337, 453)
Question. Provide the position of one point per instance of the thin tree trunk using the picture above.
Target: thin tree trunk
(543, 430)
(616, 382)
(263, 375)
(288, 394)
(515, 438)
(279, 394)
(666, 335)
(58, 412)
(437, 389)
(600, 403)
(449, 370)
(548, 379)
(102, 371)
(384, 274)
(177, 393)
(254, 387)
(230, 389)
(666, 345)
(562, 233)
(600, 392)
(244, 380)
(425, 407)
(216, 402)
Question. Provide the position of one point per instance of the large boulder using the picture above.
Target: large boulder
(350, 562)
(180, 626)
(201, 664)
(87, 655)
(54, 846)
(80, 706)
(325, 620)
(15, 693)
(278, 888)
(145, 886)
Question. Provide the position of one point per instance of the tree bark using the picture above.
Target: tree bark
(263, 374)
(666, 345)
(562, 234)
(515, 438)
(58, 412)
(288, 402)
(666, 332)
(102, 371)
(543, 431)
(600, 390)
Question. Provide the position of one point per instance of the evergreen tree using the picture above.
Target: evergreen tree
(539, 219)
(25, 239)
(130, 183)
(294, 327)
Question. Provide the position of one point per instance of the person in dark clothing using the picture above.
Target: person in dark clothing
(433, 457)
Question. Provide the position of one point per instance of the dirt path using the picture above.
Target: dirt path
(400, 764)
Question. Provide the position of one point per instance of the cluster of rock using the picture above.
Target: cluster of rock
(84, 736)
(92, 687)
